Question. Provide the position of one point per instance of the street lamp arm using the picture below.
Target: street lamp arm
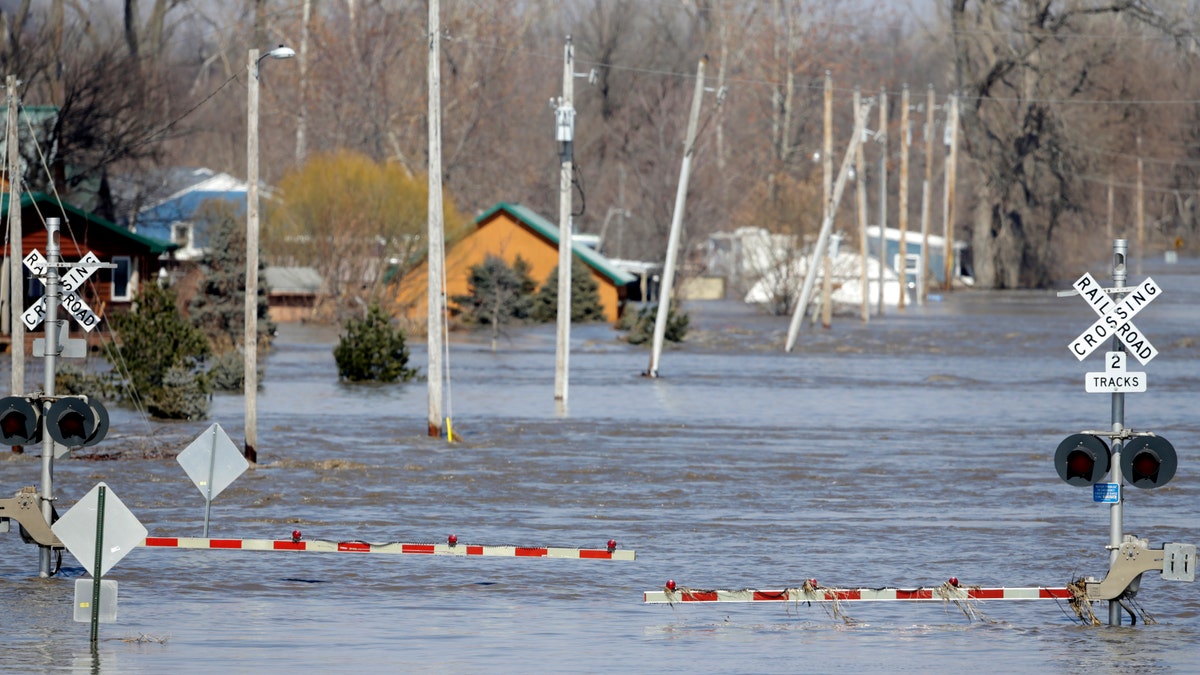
(280, 52)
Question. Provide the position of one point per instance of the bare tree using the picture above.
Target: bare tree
(1019, 69)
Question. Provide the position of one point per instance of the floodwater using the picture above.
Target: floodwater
(897, 453)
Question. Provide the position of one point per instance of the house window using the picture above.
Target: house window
(122, 276)
(180, 234)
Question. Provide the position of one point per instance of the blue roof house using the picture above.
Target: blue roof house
(174, 219)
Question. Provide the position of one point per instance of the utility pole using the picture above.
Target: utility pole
(1108, 224)
(860, 191)
(923, 280)
(948, 207)
(16, 254)
(250, 297)
(883, 185)
(302, 112)
(1141, 208)
(564, 125)
(860, 122)
(435, 315)
(668, 277)
(827, 164)
(905, 139)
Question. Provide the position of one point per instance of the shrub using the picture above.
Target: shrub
(372, 350)
(641, 328)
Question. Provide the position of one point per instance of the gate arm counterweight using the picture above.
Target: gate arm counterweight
(24, 509)
(1177, 562)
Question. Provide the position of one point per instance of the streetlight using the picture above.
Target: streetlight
(250, 349)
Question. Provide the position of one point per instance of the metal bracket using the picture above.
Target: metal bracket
(1123, 434)
(1135, 557)
(25, 509)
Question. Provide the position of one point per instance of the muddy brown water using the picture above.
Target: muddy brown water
(897, 453)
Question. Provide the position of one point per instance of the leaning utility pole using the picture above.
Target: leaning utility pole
(668, 275)
(564, 125)
(16, 254)
(860, 122)
(435, 314)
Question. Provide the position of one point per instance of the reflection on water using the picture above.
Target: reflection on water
(901, 452)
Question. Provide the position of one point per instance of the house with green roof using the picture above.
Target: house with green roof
(138, 258)
(508, 231)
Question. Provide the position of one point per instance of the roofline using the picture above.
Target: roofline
(550, 231)
(31, 198)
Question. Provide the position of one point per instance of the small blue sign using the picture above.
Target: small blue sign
(1106, 493)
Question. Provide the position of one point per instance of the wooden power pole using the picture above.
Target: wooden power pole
(437, 238)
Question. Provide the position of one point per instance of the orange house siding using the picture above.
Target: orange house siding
(505, 236)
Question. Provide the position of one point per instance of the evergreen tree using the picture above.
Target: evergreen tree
(585, 296)
(160, 355)
(218, 308)
(499, 294)
(372, 350)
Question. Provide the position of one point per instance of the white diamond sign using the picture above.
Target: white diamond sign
(77, 530)
(212, 461)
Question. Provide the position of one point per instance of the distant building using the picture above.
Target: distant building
(174, 218)
(138, 258)
(294, 292)
(508, 231)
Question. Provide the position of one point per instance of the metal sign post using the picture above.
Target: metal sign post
(50, 370)
(213, 462)
(1116, 509)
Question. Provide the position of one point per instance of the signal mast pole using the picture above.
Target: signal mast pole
(53, 295)
(1116, 511)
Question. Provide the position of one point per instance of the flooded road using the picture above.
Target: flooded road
(896, 453)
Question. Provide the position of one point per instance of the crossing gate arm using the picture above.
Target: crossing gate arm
(944, 593)
(451, 548)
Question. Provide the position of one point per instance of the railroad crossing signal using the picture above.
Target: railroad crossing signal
(1115, 318)
(20, 421)
(71, 280)
(1149, 461)
(72, 421)
(1082, 460)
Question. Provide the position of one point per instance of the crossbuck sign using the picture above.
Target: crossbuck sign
(1115, 318)
(73, 279)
